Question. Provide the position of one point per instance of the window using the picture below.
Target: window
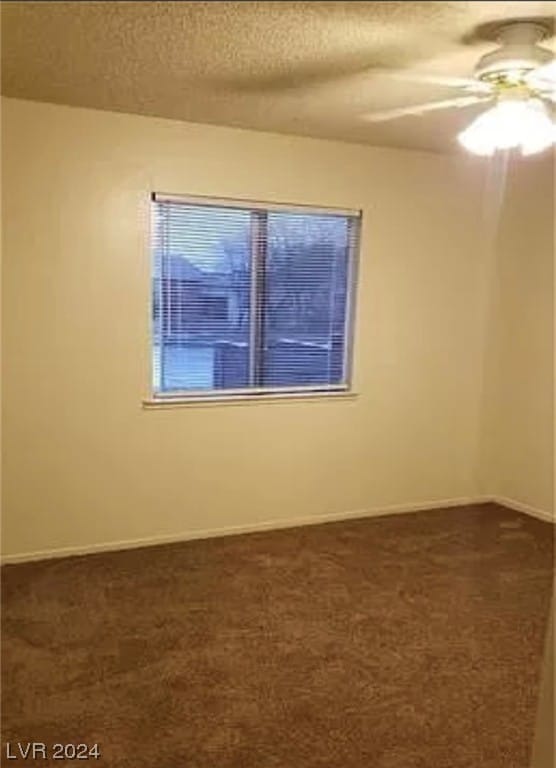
(250, 299)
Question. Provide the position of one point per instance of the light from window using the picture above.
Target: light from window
(250, 299)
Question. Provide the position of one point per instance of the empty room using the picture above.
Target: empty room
(278, 384)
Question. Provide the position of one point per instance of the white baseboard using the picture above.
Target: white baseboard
(232, 530)
(526, 509)
(269, 525)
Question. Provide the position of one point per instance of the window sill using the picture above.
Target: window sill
(154, 403)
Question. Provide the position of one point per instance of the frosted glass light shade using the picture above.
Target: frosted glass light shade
(511, 123)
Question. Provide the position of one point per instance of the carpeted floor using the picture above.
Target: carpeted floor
(412, 641)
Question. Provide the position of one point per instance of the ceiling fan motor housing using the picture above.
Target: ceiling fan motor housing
(518, 54)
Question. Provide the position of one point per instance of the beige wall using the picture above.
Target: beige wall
(517, 457)
(86, 465)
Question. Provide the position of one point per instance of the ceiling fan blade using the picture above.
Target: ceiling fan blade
(463, 83)
(420, 109)
(311, 75)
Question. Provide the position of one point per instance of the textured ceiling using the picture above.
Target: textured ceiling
(306, 68)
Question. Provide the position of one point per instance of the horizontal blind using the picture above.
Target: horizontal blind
(250, 299)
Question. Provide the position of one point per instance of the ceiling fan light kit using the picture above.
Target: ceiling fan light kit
(522, 123)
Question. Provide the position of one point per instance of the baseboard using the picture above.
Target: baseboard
(233, 530)
(269, 525)
(526, 509)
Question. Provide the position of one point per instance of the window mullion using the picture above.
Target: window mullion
(259, 224)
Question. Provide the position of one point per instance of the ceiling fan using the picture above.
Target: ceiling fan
(519, 77)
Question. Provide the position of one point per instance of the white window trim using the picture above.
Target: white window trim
(249, 398)
(250, 205)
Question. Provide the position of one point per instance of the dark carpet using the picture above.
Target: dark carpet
(412, 641)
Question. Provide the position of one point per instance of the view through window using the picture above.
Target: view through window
(248, 298)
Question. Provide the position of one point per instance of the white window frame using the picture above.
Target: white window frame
(256, 394)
